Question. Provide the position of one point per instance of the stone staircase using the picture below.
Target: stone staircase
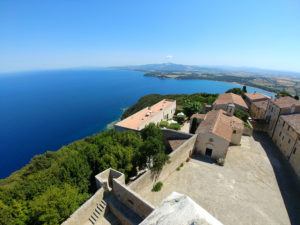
(98, 212)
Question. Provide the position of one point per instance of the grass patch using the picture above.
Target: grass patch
(157, 187)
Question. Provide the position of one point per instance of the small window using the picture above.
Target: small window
(282, 138)
(280, 134)
(211, 140)
(289, 141)
(283, 124)
(234, 131)
(295, 149)
(288, 128)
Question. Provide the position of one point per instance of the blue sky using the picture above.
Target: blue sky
(73, 33)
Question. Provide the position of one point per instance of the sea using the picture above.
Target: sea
(44, 110)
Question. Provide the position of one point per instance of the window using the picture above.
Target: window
(288, 128)
(280, 134)
(282, 137)
(283, 124)
(234, 131)
(289, 141)
(211, 140)
(294, 150)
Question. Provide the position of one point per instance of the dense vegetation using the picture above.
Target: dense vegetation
(186, 103)
(55, 184)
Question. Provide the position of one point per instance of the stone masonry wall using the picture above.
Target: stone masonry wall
(180, 155)
(82, 214)
(131, 199)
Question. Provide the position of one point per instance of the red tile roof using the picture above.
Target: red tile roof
(286, 102)
(145, 115)
(230, 98)
(261, 104)
(256, 96)
(220, 124)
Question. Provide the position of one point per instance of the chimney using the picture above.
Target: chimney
(230, 109)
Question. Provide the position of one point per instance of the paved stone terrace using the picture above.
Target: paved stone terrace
(244, 191)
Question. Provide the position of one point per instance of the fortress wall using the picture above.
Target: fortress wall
(175, 135)
(131, 199)
(83, 213)
(180, 155)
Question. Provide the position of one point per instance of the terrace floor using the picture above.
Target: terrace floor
(246, 190)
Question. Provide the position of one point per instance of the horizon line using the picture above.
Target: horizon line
(133, 65)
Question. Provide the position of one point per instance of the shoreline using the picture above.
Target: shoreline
(270, 91)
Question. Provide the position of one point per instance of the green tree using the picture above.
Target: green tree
(56, 204)
(5, 214)
(237, 91)
(241, 114)
(194, 125)
(151, 131)
(244, 89)
(283, 94)
(192, 107)
(153, 151)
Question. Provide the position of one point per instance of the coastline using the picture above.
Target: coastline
(271, 91)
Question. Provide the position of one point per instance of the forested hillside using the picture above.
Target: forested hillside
(182, 100)
(55, 184)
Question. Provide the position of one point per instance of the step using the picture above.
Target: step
(95, 214)
(93, 218)
(97, 211)
(91, 221)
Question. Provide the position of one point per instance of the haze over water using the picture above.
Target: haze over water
(42, 111)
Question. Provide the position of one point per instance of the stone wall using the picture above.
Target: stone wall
(131, 199)
(173, 134)
(248, 131)
(180, 155)
(82, 214)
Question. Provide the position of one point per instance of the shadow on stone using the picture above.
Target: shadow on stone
(286, 178)
(203, 158)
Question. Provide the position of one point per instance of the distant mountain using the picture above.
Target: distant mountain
(171, 67)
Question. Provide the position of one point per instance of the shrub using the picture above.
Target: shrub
(163, 124)
(174, 126)
(181, 165)
(178, 168)
(157, 187)
(241, 114)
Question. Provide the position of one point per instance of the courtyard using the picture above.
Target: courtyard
(253, 187)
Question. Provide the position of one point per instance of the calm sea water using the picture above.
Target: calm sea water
(42, 111)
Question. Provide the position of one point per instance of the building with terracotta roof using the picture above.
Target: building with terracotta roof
(258, 109)
(287, 138)
(216, 132)
(163, 110)
(255, 97)
(277, 107)
(224, 100)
